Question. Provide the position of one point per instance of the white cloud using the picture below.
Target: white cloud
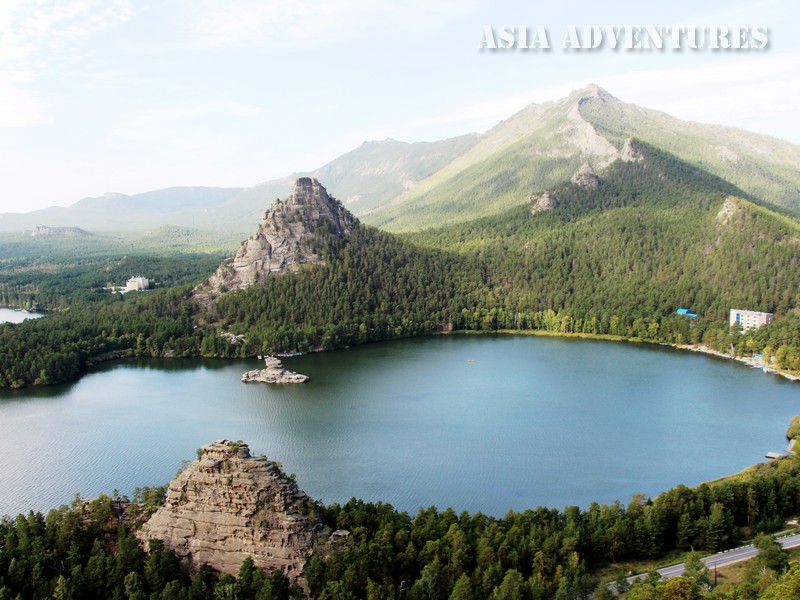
(311, 23)
(32, 35)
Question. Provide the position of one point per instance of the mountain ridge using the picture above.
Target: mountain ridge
(404, 186)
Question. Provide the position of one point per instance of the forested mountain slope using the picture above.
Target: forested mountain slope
(655, 235)
(766, 167)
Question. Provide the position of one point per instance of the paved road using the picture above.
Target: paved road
(722, 559)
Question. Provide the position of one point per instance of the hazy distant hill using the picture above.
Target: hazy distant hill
(377, 172)
(120, 212)
(364, 178)
(400, 186)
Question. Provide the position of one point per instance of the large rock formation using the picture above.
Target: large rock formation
(228, 506)
(290, 235)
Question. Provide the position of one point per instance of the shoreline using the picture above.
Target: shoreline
(750, 361)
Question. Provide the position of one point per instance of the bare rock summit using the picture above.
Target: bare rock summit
(291, 234)
(228, 506)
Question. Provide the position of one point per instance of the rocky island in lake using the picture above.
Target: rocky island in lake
(273, 373)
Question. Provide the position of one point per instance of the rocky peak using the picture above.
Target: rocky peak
(543, 202)
(585, 176)
(227, 506)
(291, 234)
(631, 152)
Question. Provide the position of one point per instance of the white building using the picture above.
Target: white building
(750, 319)
(135, 284)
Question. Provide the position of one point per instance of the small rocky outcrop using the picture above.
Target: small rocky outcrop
(543, 202)
(585, 176)
(290, 235)
(728, 211)
(228, 506)
(631, 153)
(273, 373)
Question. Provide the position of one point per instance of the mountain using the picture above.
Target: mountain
(119, 212)
(376, 172)
(364, 178)
(763, 166)
(401, 187)
(537, 148)
(545, 144)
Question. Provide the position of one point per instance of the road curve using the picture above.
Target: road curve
(722, 559)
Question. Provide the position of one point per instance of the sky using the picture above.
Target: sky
(128, 96)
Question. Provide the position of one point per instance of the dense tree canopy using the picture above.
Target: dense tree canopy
(87, 552)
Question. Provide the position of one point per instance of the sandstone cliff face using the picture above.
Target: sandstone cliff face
(228, 506)
(288, 237)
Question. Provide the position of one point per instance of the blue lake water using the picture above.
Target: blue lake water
(532, 421)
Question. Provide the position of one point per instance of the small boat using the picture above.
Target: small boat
(471, 360)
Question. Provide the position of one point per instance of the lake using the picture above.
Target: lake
(478, 423)
(8, 315)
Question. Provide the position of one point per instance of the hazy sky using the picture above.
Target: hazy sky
(129, 95)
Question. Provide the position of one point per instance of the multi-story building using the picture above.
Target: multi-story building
(135, 284)
(750, 319)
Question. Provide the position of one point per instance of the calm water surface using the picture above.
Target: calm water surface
(8, 315)
(532, 421)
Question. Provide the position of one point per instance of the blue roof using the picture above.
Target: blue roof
(685, 311)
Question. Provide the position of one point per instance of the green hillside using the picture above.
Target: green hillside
(544, 145)
(537, 148)
(763, 166)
